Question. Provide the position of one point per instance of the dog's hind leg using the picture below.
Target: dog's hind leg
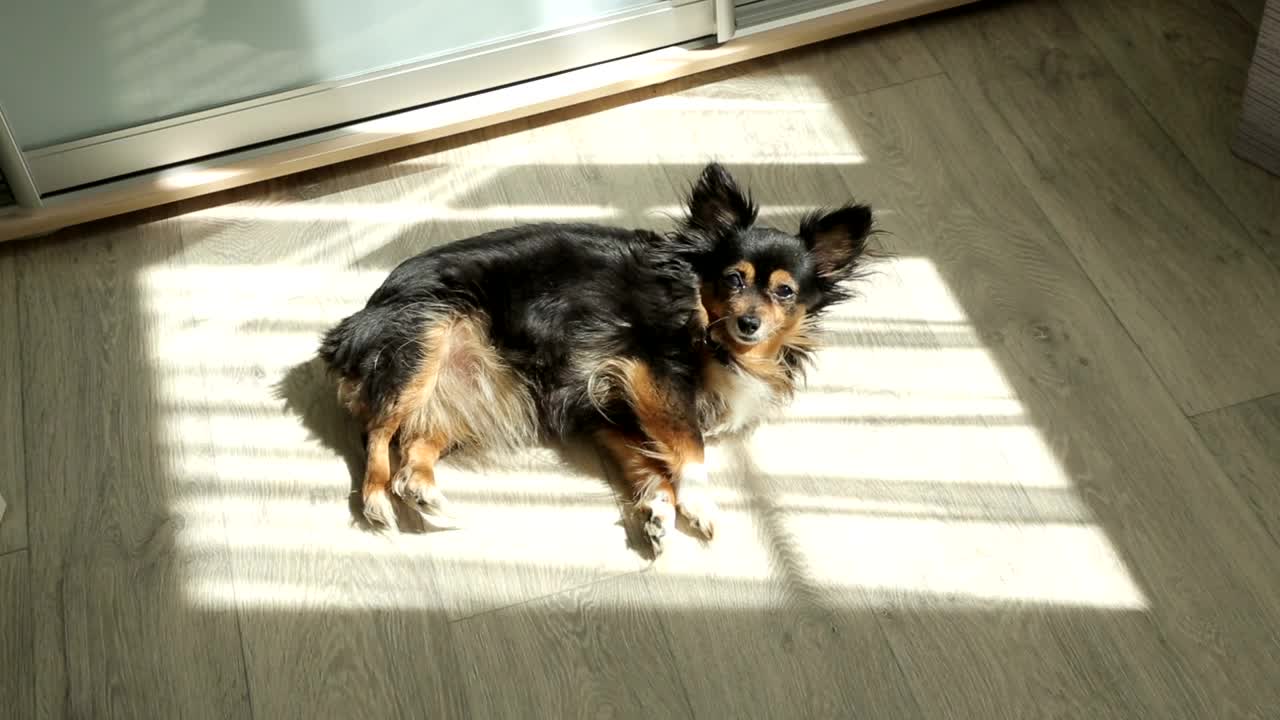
(415, 483)
(377, 474)
(399, 417)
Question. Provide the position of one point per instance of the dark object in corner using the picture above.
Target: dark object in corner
(1258, 135)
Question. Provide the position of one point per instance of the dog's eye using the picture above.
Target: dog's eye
(784, 291)
(735, 280)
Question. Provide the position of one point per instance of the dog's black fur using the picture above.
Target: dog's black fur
(558, 299)
(540, 286)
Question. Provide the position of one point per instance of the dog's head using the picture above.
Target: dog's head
(761, 286)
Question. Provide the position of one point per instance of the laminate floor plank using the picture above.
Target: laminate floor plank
(800, 77)
(836, 68)
(1245, 439)
(749, 633)
(17, 681)
(337, 621)
(13, 473)
(113, 563)
(612, 657)
(857, 63)
(1173, 600)
(1169, 257)
(1187, 61)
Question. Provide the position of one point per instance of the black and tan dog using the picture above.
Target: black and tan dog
(647, 343)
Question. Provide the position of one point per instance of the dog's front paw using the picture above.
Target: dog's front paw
(659, 516)
(700, 510)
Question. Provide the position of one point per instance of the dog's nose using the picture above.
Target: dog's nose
(748, 324)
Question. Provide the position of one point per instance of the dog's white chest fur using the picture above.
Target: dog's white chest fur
(734, 400)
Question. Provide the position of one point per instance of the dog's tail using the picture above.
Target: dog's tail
(344, 347)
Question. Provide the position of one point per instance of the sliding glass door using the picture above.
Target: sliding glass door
(93, 91)
(98, 89)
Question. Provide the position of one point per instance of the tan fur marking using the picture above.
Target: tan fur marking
(384, 426)
(791, 331)
(764, 359)
(416, 481)
(464, 390)
(419, 455)
(673, 438)
(643, 473)
(746, 268)
(728, 402)
(377, 471)
(778, 278)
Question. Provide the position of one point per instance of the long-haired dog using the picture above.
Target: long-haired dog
(647, 343)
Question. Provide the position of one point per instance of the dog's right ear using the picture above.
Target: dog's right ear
(717, 204)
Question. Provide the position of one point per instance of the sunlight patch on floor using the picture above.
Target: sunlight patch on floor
(907, 472)
(1071, 565)
(399, 213)
(183, 178)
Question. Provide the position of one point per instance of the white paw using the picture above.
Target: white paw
(426, 498)
(400, 483)
(659, 517)
(379, 511)
(699, 509)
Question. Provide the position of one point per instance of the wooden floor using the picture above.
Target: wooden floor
(1034, 475)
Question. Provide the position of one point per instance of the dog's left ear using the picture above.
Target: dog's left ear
(837, 240)
(717, 204)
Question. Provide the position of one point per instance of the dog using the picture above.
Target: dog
(650, 344)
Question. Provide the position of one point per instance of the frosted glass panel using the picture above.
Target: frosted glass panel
(71, 69)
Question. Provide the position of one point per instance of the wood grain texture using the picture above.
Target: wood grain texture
(1166, 553)
(1140, 220)
(851, 64)
(116, 633)
(336, 621)
(13, 475)
(1245, 439)
(610, 659)
(17, 679)
(1188, 62)
(749, 633)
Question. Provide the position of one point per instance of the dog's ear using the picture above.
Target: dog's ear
(717, 204)
(837, 240)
